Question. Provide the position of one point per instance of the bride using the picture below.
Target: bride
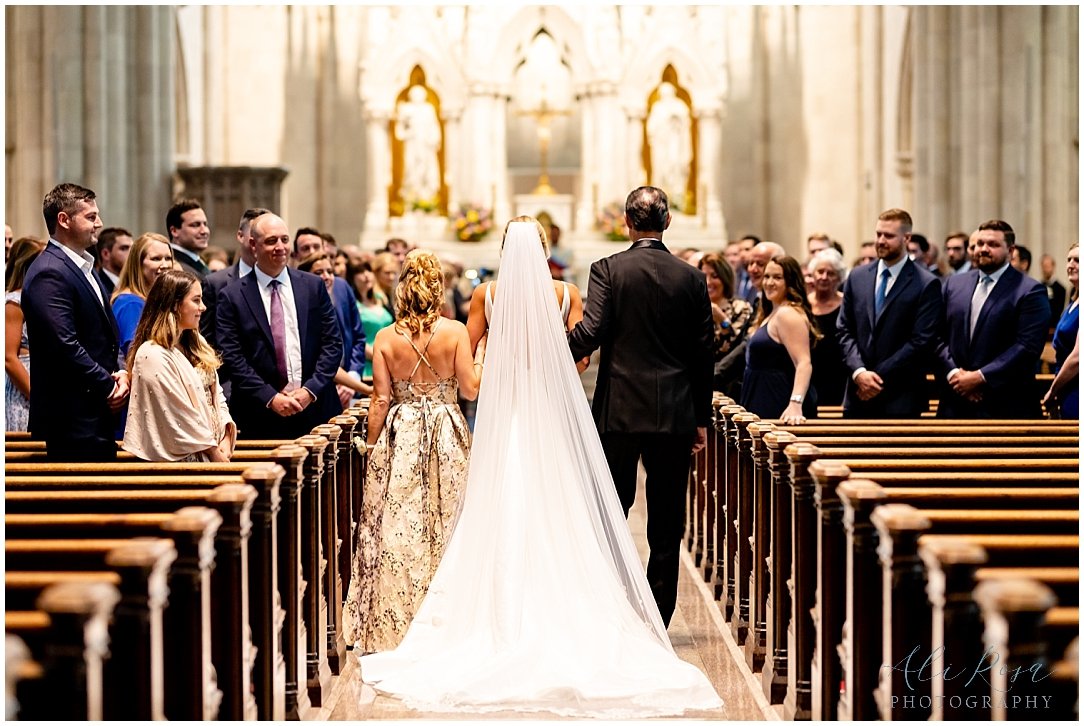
(540, 602)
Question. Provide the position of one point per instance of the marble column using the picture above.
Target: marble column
(709, 205)
(379, 176)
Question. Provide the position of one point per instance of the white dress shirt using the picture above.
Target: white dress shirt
(84, 262)
(289, 316)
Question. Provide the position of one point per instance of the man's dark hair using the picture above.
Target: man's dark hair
(1004, 227)
(756, 240)
(177, 211)
(305, 230)
(837, 247)
(1023, 253)
(252, 213)
(329, 239)
(922, 242)
(395, 241)
(63, 198)
(958, 235)
(108, 237)
(647, 209)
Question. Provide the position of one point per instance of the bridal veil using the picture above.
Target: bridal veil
(540, 601)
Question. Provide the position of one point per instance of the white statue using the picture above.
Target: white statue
(419, 130)
(669, 132)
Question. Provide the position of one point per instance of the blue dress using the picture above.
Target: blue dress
(126, 309)
(1064, 339)
(769, 379)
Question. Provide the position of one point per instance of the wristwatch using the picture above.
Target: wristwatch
(797, 398)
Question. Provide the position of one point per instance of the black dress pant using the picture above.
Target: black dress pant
(666, 460)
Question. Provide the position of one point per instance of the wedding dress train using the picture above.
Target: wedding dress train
(540, 602)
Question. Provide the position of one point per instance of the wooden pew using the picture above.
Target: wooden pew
(67, 628)
(732, 576)
(192, 581)
(1037, 537)
(955, 567)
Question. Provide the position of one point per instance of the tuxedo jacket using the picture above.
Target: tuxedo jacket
(346, 310)
(190, 261)
(248, 350)
(896, 346)
(106, 283)
(648, 312)
(1008, 340)
(74, 343)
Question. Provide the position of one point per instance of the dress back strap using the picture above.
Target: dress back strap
(421, 353)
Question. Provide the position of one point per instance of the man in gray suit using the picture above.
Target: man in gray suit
(649, 313)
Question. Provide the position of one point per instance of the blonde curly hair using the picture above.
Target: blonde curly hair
(419, 296)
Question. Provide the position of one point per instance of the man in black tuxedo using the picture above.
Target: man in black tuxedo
(279, 336)
(649, 313)
(887, 324)
(78, 381)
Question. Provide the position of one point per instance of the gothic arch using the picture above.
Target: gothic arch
(388, 68)
(518, 32)
(645, 71)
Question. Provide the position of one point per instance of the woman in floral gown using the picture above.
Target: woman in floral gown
(419, 446)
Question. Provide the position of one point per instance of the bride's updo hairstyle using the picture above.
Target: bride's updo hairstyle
(419, 296)
(538, 226)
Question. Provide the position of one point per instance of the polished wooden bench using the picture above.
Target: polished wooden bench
(56, 650)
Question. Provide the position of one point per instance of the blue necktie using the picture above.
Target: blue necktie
(882, 289)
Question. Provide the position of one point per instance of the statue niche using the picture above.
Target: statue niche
(417, 144)
(670, 142)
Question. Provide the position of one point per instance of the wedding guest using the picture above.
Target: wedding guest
(215, 258)
(374, 315)
(279, 337)
(16, 348)
(9, 238)
(1055, 291)
(829, 373)
(189, 234)
(731, 316)
(385, 268)
(114, 244)
(78, 378)
(348, 378)
(176, 411)
(151, 255)
(778, 364)
(1064, 393)
(340, 262)
(420, 446)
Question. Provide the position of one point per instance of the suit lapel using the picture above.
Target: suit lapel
(993, 300)
(83, 285)
(250, 290)
(301, 305)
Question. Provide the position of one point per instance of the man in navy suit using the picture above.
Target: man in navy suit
(887, 325)
(78, 381)
(992, 334)
(308, 242)
(649, 313)
(279, 336)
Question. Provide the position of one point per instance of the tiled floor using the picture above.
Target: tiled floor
(697, 631)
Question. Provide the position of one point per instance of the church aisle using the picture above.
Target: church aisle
(697, 632)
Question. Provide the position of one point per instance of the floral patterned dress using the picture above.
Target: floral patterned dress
(413, 491)
(17, 407)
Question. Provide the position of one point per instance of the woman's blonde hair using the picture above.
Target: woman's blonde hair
(131, 275)
(419, 296)
(159, 322)
(537, 224)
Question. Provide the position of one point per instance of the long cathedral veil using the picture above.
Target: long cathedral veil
(530, 384)
(540, 602)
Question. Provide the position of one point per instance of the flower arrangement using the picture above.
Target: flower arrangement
(472, 222)
(611, 222)
(426, 206)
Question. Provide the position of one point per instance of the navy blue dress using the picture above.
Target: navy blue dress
(769, 379)
(1064, 339)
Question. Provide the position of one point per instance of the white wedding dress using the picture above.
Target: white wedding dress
(540, 602)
